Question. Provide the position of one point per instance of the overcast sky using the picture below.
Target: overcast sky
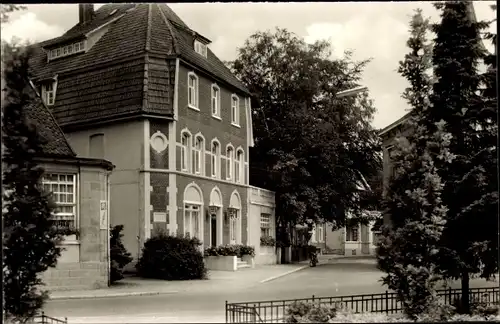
(376, 30)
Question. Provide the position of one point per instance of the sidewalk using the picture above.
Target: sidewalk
(218, 281)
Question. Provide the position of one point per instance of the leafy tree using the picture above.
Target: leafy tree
(469, 241)
(119, 255)
(6, 9)
(309, 145)
(29, 237)
(408, 250)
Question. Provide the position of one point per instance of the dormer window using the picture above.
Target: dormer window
(200, 48)
(48, 93)
(66, 50)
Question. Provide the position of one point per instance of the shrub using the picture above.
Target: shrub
(308, 312)
(120, 257)
(267, 240)
(171, 258)
(230, 250)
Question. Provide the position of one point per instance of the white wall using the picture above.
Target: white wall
(261, 201)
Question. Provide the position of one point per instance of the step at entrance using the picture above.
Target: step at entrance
(242, 264)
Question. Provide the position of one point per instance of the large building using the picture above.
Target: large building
(133, 84)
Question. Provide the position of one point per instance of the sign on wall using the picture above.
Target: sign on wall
(104, 215)
(159, 217)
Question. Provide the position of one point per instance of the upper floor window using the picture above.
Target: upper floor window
(238, 166)
(198, 155)
(215, 101)
(63, 189)
(96, 146)
(235, 110)
(200, 48)
(48, 93)
(185, 148)
(66, 50)
(229, 162)
(215, 150)
(192, 90)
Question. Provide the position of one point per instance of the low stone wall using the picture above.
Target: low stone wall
(76, 276)
(224, 263)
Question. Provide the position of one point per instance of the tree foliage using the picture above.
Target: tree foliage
(119, 255)
(408, 251)
(6, 9)
(29, 236)
(460, 97)
(309, 145)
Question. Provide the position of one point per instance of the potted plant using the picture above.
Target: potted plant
(225, 257)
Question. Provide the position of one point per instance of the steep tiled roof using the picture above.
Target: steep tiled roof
(46, 125)
(129, 70)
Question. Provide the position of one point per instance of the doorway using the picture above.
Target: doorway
(213, 229)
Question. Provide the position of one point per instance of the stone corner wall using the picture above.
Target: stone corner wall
(76, 276)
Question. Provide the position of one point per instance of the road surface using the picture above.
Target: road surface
(335, 279)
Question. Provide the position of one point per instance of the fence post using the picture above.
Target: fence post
(66, 320)
(313, 298)
(387, 302)
(449, 296)
(226, 313)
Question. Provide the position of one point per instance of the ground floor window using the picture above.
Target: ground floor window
(63, 189)
(265, 225)
(192, 220)
(352, 233)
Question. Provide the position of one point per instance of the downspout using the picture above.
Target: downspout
(108, 211)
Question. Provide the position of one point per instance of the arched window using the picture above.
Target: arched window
(185, 148)
(198, 155)
(238, 166)
(215, 156)
(229, 162)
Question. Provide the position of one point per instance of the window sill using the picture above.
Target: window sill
(70, 242)
(236, 125)
(193, 107)
(216, 117)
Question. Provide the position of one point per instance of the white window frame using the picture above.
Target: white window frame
(265, 225)
(320, 233)
(215, 97)
(192, 217)
(200, 48)
(65, 216)
(238, 165)
(198, 154)
(49, 93)
(235, 110)
(215, 167)
(229, 162)
(67, 50)
(193, 91)
(185, 151)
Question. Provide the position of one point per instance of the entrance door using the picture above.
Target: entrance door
(213, 229)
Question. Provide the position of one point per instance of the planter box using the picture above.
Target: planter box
(267, 249)
(224, 263)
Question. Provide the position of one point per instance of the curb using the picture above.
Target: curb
(284, 274)
(111, 295)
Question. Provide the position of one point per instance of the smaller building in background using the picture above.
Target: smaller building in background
(262, 203)
(80, 189)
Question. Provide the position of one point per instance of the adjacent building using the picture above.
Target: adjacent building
(133, 84)
(80, 190)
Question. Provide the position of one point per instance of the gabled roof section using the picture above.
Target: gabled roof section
(102, 16)
(46, 125)
(394, 124)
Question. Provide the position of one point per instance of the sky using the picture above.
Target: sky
(372, 30)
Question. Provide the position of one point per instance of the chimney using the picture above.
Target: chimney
(86, 12)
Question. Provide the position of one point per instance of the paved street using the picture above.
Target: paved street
(340, 277)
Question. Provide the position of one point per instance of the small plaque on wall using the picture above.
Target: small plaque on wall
(103, 215)
(159, 217)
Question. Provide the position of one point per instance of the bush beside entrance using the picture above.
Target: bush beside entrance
(171, 258)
